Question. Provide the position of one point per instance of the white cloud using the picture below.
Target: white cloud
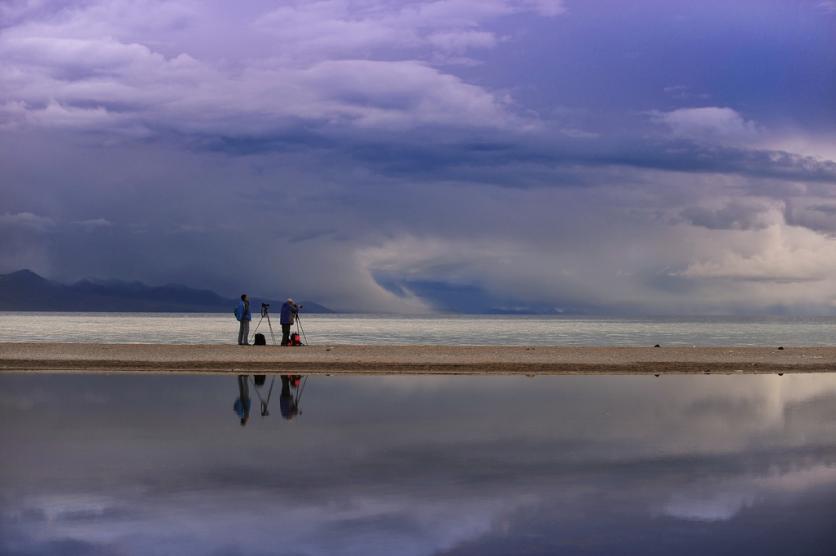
(709, 123)
(351, 27)
(828, 6)
(93, 224)
(26, 221)
(333, 62)
(546, 7)
(462, 41)
(779, 253)
(822, 146)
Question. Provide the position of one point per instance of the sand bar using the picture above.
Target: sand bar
(76, 357)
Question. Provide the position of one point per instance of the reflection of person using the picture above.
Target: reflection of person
(287, 318)
(288, 404)
(242, 404)
(242, 313)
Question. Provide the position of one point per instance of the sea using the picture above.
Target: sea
(321, 329)
(283, 464)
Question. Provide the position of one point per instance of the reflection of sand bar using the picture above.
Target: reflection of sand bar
(412, 359)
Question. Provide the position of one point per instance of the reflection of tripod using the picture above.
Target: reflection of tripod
(265, 312)
(265, 403)
(290, 401)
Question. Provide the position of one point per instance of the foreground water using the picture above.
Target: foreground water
(145, 465)
(451, 330)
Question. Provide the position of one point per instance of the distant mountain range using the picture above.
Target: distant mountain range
(26, 291)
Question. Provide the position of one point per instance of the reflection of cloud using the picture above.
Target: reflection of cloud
(720, 506)
(414, 465)
(819, 409)
(360, 524)
(723, 501)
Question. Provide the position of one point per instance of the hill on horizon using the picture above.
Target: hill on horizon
(25, 290)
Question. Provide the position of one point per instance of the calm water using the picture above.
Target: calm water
(146, 465)
(365, 329)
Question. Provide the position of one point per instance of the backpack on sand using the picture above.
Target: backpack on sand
(259, 340)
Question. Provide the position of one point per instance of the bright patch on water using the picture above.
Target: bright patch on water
(449, 330)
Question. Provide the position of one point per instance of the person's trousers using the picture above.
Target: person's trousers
(286, 334)
(244, 333)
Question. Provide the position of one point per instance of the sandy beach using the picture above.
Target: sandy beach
(76, 357)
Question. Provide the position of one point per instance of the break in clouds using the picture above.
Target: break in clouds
(602, 156)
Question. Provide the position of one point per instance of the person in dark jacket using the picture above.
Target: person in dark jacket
(242, 313)
(289, 405)
(287, 318)
(242, 404)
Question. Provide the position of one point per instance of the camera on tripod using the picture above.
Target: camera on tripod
(265, 307)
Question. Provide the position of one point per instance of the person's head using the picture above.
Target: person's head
(290, 300)
(243, 297)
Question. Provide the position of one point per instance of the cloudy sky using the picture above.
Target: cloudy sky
(601, 155)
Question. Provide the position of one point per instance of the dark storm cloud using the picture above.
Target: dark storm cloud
(541, 164)
(812, 215)
(734, 216)
(527, 160)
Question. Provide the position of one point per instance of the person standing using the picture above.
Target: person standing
(287, 318)
(242, 313)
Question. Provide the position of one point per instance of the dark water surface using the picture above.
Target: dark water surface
(145, 465)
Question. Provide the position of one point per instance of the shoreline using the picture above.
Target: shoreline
(411, 359)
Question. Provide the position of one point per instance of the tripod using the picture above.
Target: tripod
(265, 312)
(300, 329)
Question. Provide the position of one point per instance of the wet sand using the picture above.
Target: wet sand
(54, 357)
